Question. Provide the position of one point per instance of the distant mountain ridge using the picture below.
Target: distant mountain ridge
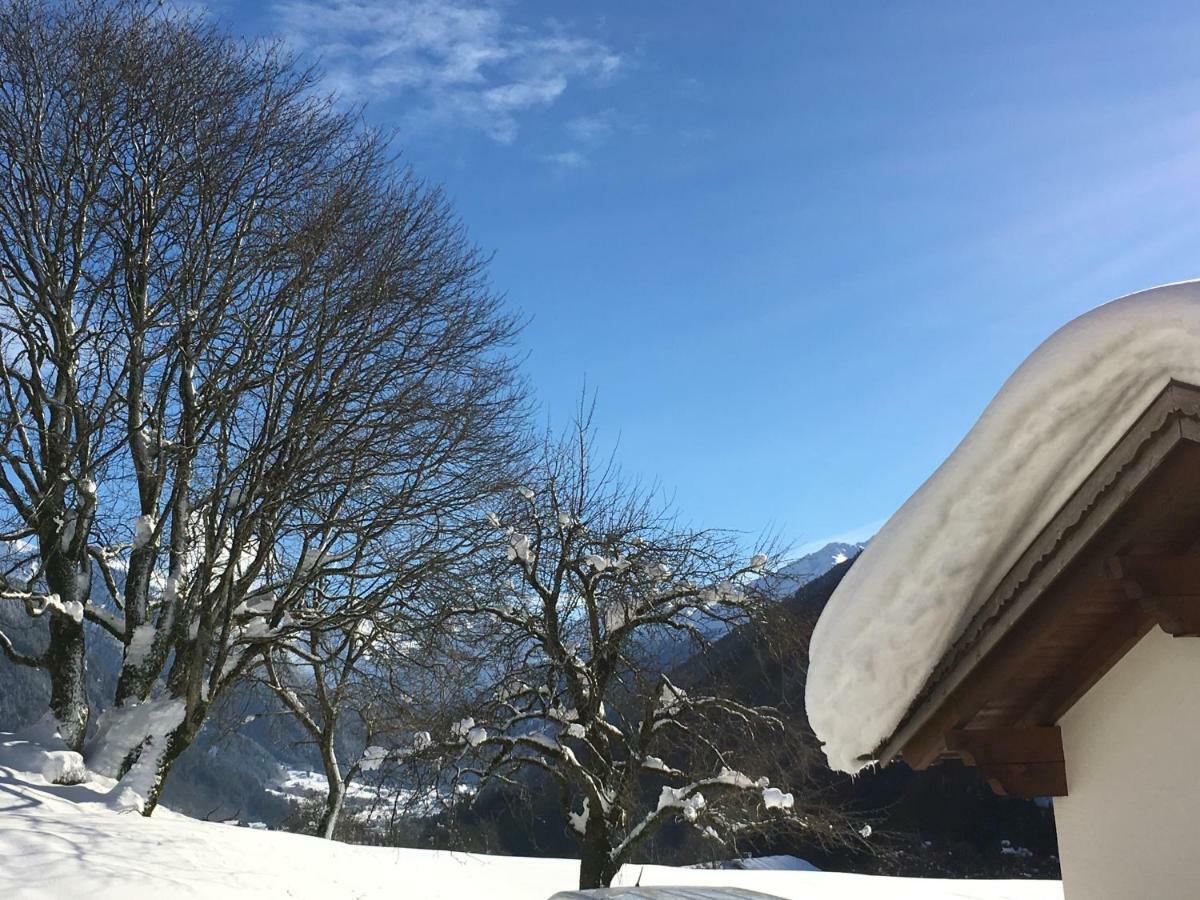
(943, 821)
(792, 576)
(228, 771)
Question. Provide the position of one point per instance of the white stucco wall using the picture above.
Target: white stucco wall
(1130, 827)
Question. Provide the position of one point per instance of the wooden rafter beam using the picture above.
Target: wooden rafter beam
(1016, 762)
(1165, 584)
(1077, 678)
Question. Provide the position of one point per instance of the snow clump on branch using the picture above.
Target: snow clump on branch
(578, 821)
(518, 548)
(72, 609)
(143, 530)
(476, 736)
(774, 798)
(689, 806)
(670, 698)
(372, 758)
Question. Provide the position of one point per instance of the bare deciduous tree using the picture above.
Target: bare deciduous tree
(597, 579)
(241, 350)
(57, 363)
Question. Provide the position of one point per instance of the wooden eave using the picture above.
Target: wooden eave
(1120, 556)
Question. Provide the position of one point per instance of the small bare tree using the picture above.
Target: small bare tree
(355, 669)
(594, 577)
(326, 678)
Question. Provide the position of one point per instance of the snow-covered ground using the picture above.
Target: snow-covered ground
(71, 841)
(923, 576)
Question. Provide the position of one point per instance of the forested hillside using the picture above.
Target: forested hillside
(944, 820)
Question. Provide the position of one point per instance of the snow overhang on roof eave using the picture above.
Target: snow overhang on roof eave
(1174, 415)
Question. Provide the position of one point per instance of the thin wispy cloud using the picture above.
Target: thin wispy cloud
(586, 134)
(593, 128)
(567, 159)
(457, 62)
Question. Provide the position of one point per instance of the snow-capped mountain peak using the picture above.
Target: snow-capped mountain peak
(792, 576)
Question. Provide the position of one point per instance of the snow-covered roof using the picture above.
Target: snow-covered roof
(907, 599)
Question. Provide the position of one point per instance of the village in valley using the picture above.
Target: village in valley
(462, 449)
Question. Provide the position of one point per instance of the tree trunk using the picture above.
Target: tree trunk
(65, 665)
(333, 810)
(337, 787)
(137, 677)
(66, 653)
(596, 867)
(177, 741)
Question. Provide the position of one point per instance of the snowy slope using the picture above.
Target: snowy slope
(916, 585)
(68, 841)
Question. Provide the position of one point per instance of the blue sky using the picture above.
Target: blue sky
(795, 247)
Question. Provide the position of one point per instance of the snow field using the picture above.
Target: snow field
(71, 841)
